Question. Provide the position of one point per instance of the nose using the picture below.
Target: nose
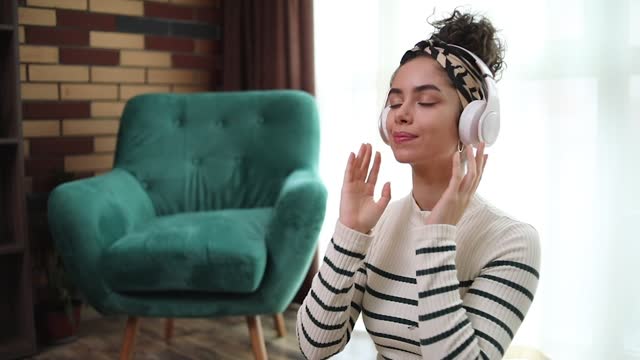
(403, 114)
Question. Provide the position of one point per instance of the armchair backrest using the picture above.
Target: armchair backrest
(217, 150)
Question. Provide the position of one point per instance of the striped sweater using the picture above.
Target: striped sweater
(424, 291)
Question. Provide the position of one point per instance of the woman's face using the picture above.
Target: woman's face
(423, 121)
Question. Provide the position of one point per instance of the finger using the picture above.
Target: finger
(373, 174)
(348, 171)
(484, 163)
(357, 163)
(366, 160)
(481, 163)
(480, 157)
(359, 156)
(385, 196)
(470, 178)
(456, 171)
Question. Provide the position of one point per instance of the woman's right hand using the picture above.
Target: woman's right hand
(358, 210)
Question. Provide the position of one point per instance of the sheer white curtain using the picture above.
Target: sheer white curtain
(566, 161)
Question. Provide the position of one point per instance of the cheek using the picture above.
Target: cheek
(439, 123)
(389, 122)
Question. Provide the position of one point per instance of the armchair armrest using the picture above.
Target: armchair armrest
(88, 215)
(293, 233)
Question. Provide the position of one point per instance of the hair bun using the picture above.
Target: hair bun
(474, 33)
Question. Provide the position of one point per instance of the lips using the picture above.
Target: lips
(402, 137)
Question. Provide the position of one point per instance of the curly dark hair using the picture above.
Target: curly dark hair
(474, 33)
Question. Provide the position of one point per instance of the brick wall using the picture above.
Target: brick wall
(80, 60)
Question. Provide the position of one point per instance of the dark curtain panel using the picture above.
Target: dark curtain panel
(268, 44)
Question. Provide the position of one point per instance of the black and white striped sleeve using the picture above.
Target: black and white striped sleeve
(483, 323)
(328, 313)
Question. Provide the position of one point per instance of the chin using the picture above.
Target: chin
(405, 156)
(414, 155)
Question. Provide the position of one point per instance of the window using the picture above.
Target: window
(566, 160)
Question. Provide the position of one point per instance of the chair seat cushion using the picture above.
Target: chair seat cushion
(213, 251)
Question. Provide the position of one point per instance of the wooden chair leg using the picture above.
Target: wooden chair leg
(168, 330)
(280, 328)
(129, 340)
(257, 339)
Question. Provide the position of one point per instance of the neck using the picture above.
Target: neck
(429, 183)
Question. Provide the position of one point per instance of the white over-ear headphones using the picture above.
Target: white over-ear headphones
(480, 119)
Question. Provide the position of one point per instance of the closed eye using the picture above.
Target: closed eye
(395, 106)
(426, 104)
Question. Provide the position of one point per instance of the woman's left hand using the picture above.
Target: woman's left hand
(456, 197)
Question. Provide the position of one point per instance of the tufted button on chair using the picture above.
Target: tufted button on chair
(196, 220)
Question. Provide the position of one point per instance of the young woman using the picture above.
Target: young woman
(440, 273)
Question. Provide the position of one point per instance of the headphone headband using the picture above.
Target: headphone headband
(484, 127)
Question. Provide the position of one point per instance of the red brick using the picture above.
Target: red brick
(167, 43)
(167, 11)
(208, 47)
(209, 15)
(86, 20)
(192, 61)
(48, 181)
(56, 110)
(60, 146)
(83, 175)
(42, 35)
(216, 47)
(43, 183)
(89, 56)
(43, 166)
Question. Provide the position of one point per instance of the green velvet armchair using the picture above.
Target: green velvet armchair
(213, 208)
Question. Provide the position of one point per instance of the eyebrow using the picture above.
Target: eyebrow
(416, 89)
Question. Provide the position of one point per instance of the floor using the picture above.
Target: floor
(100, 338)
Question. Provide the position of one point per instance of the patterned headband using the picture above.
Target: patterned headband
(459, 65)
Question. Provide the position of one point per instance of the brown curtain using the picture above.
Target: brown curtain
(268, 44)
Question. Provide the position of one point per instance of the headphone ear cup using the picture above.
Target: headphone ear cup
(489, 127)
(382, 124)
(468, 126)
